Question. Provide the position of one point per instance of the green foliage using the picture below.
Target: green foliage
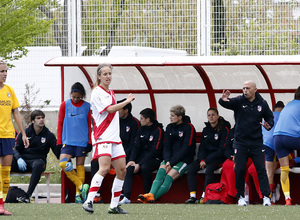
(259, 27)
(18, 26)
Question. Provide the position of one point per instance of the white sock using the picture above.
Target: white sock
(193, 195)
(116, 191)
(95, 185)
(203, 194)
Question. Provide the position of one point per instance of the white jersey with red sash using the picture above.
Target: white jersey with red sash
(106, 125)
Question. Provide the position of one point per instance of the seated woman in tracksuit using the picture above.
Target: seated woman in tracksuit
(211, 152)
(178, 153)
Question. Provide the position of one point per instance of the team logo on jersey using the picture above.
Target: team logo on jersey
(127, 128)
(151, 138)
(43, 140)
(259, 108)
(180, 133)
(8, 95)
(216, 136)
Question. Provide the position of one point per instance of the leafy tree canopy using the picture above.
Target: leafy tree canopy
(19, 25)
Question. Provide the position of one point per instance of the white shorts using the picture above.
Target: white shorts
(115, 151)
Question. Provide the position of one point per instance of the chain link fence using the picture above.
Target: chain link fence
(206, 27)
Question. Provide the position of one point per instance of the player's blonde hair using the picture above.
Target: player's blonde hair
(178, 110)
(99, 71)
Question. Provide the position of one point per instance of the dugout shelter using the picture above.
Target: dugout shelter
(194, 82)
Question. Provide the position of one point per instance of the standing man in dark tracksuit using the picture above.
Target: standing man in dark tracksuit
(249, 110)
(34, 158)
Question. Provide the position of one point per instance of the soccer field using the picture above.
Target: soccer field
(154, 211)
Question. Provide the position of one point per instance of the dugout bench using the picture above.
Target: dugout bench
(36, 193)
(179, 191)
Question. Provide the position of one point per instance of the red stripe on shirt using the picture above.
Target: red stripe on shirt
(159, 138)
(192, 133)
(98, 131)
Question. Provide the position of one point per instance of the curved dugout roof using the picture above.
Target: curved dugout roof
(194, 82)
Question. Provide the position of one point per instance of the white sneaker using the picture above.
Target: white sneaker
(277, 192)
(125, 201)
(242, 201)
(266, 201)
(273, 197)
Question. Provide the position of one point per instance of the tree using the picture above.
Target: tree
(59, 29)
(19, 25)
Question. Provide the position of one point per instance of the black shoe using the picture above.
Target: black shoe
(117, 210)
(191, 200)
(23, 199)
(88, 206)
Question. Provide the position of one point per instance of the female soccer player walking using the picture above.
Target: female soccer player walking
(107, 145)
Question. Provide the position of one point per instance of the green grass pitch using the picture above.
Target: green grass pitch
(153, 211)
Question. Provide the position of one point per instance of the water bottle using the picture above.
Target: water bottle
(246, 193)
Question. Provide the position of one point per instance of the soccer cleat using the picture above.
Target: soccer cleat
(98, 199)
(288, 202)
(191, 200)
(2, 209)
(78, 199)
(125, 201)
(84, 191)
(148, 197)
(117, 210)
(242, 201)
(266, 201)
(277, 192)
(6, 212)
(88, 206)
(200, 201)
(141, 201)
(23, 199)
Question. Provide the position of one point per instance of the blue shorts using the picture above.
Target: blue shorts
(284, 145)
(270, 154)
(74, 151)
(6, 146)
